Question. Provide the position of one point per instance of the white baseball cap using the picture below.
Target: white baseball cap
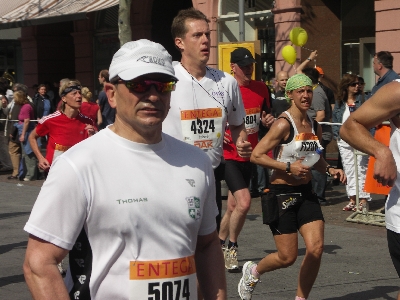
(139, 58)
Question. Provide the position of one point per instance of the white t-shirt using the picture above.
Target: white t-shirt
(142, 207)
(346, 115)
(201, 109)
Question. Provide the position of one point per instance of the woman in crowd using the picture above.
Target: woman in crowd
(348, 100)
(90, 109)
(297, 209)
(64, 128)
(25, 127)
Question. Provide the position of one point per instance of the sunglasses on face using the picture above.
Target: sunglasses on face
(145, 85)
(355, 84)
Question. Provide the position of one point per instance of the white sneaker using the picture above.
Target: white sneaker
(225, 252)
(232, 258)
(248, 282)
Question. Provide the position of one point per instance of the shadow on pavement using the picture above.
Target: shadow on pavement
(374, 293)
(9, 247)
(13, 215)
(11, 279)
(328, 249)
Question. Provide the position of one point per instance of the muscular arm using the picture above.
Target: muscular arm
(381, 106)
(279, 131)
(210, 267)
(41, 272)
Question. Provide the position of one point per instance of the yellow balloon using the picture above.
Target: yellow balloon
(289, 54)
(298, 36)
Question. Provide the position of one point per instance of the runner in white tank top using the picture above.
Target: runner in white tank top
(290, 196)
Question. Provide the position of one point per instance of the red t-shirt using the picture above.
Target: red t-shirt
(90, 109)
(63, 132)
(253, 97)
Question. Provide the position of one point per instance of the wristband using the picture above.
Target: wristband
(288, 167)
(309, 59)
(327, 169)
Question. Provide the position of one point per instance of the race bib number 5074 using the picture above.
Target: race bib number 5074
(173, 279)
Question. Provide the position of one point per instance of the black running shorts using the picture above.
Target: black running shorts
(237, 174)
(306, 211)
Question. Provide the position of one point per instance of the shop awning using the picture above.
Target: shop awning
(18, 13)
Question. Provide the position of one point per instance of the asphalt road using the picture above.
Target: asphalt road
(355, 264)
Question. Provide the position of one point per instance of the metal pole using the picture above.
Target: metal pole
(241, 21)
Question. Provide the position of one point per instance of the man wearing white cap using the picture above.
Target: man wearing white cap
(205, 99)
(146, 242)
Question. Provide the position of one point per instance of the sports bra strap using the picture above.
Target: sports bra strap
(291, 135)
(315, 126)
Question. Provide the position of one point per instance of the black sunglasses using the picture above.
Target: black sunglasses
(354, 84)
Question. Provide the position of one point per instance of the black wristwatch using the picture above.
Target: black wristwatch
(327, 170)
(288, 167)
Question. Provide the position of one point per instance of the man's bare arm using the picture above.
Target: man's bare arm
(382, 106)
(312, 56)
(210, 267)
(40, 269)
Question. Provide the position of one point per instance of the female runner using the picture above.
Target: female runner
(293, 135)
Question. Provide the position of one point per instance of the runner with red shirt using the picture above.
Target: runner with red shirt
(64, 128)
(238, 169)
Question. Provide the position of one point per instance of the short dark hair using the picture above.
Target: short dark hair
(105, 75)
(385, 58)
(20, 87)
(41, 85)
(312, 73)
(178, 27)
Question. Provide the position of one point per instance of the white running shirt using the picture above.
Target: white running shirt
(201, 109)
(142, 207)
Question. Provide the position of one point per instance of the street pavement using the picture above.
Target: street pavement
(355, 263)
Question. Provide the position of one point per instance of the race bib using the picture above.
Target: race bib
(59, 149)
(305, 143)
(173, 279)
(252, 120)
(202, 127)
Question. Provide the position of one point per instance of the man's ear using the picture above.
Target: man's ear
(110, 90)
(179, 44)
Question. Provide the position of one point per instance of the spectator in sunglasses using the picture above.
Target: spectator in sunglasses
(349, 100)
(143, 240)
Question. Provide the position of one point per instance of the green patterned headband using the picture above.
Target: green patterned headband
(297, 81)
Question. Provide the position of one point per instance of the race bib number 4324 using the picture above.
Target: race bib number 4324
(173, 279)
(202, 127)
